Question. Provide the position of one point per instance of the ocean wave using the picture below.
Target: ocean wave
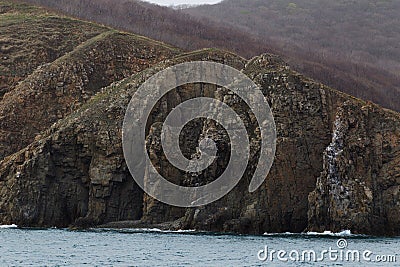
(163, 231)
(146, 230)
(343, 233)
(329, 233)
(8, 226)
(281, 234)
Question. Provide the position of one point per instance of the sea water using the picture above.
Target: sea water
(153, 247)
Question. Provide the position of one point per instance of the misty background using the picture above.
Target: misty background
(182, 2)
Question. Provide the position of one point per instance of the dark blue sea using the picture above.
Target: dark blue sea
(153, 247)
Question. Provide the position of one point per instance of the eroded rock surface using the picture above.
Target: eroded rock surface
(336, 165)
(359, 186)
(76, 173)
(56, 89)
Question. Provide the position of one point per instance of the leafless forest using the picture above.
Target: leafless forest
(350, 45)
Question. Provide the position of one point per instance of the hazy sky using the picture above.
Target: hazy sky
(180, 2)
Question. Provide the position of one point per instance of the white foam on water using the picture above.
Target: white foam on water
(329, 233)
(325, 233)
(8, 226)
(286, 233)
(153, 230)
(165, 231)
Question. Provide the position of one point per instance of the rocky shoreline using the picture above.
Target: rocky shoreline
(337, 164)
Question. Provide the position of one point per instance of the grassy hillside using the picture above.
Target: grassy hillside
(160, 23)
(351, 46)
(61, 131)
(51, 65)
(31, 36)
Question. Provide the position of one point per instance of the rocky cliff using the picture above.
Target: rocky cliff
(336, 165)
(359, 186)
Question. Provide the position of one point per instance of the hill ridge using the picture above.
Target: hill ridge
(66, 167)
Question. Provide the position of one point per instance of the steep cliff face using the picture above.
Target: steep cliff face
(302, 110)
(75, 174)
(336, 166)
(359, 186)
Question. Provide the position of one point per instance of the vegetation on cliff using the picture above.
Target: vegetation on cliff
(349, 45)
(336, 164)
(51, 65)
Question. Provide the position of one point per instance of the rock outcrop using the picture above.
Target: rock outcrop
(336, 165)
(76, 172)
(359, 186)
